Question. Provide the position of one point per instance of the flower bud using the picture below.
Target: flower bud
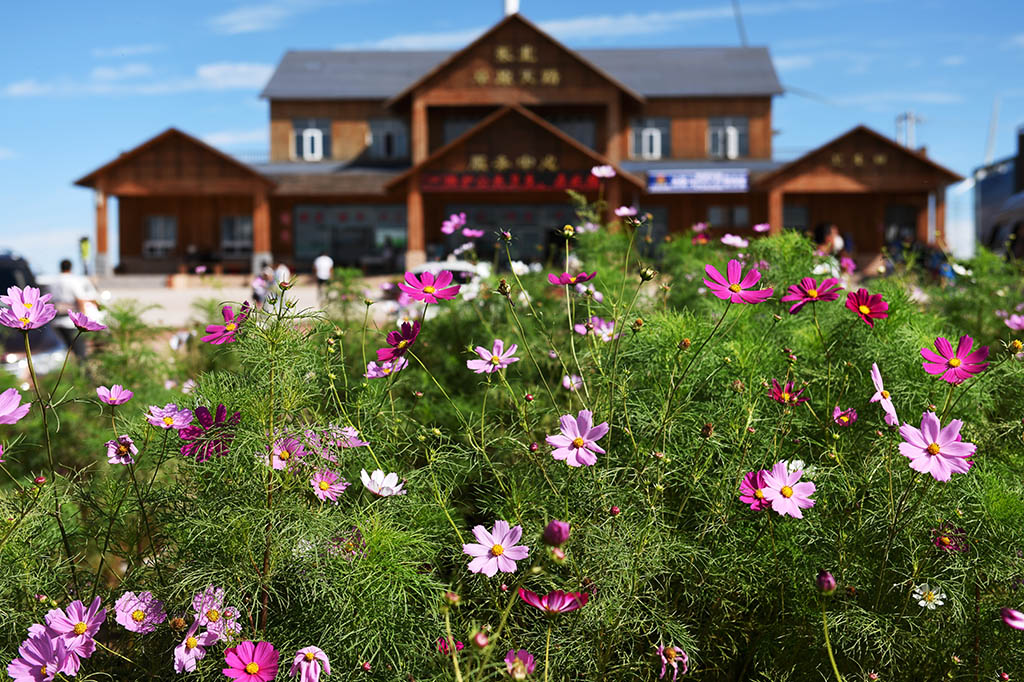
(534, 447)
(177, 623)
(503, 288)
(504, 587)
(505, 235)
(1016, 346)
(366, 666)
(557, 555)
(614, 511)
(285, 286)
(367, 302)
(826, 583)
(647, 274)
(480, 640)
(707, 430)
(568, 231)
(418, 394)
(452, 598)
(39, 480)
(637, 324)
(529, 397)
(556, 533)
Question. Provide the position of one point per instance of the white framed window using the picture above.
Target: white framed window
(734, 216)
(650, 143)
(236, 235)
(312, 139)
(651, 138)
(312, 144)
(388, 139)
(161, 236)
(728, 137)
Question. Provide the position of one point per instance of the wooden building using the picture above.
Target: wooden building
(371, 151)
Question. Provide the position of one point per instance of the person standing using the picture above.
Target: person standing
(282, 274)
(72, 293)
(323, 267)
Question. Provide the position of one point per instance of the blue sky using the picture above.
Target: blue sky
(80, 82)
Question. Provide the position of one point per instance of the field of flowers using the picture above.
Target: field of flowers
(723, 458)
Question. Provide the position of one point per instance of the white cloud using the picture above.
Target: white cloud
(793, 62)
(1017, 40)
(126, 50)
(897, 98)
(255, 18)
(954, 60)
(27, 88)
(229, 75)
(7, 153)
(116, 73)
(236, 138)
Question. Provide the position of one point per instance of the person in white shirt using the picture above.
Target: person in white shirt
(323, 266)
(282, 274)
(72, 293)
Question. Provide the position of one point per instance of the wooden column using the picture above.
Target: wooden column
(261, 250)
(613, 196)
(940, 218)
(416, 245)
(420, 131)
(103, 265)
(614, 129)
(775, 210)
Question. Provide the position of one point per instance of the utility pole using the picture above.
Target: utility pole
(906, 129)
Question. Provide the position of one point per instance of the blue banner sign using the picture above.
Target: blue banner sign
(697, 180)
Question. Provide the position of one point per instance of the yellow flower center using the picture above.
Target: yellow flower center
(429, 290)
(252, 668)
(933, 449)
(812, 293)
(759, 494)
(929, 596)
(497, 550)
(42, 671)
(864, 310)
(885, 394)
(138, 615)
(1016, 346)
(385, 370)
(80, 628)
(785, 396)
(121, 450)
(735, 288)
(191, 643)
(403, 343)
(954, 362)
(844, 418)
(24, 320)
(310, 655)
(230, 327)
(945, 540)
(28, 306)
(168, 420)
(786, 491)
(285, 455)
(670, 654)
(572, 280)
(213, 615)
(577, 442)
(495, 360)
(350, 547)
(324, 485)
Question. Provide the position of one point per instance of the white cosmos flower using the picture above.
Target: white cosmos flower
(381, 485)
(929, 597)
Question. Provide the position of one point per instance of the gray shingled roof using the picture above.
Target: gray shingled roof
(653, 72)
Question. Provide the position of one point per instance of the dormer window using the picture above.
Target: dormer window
(728, 137)
(388, 139)
(312, 139)
(651, 138)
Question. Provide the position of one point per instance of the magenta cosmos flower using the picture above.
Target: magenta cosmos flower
(497, 550)
(883, 396)
(399, 342)
(752, 490)
(217, 334)
(735, 287)
(869, 307)
(140, 612)
(785, 491)
(455, 221)
(250, 662)
(76, 626)
(327, 485)
(566, 279)
(120, 450)
(212, 436)
(115, 395)
(519, 664)
(954, 366)
(11, 409)
(949, 538)
(785, 394)
(809, 291)
(470, 233)
(192, 648)
(555, 602)
(384, 369)
(84, 324)
(844, 417)
(443, 648)
(284, 453)
(428, 288)
(170, 416)
(309, 663)
(492, 360)
(673, 656)
(935, 450)
(40, 658)
(577, 443)
(27, 309)
(1013, 618)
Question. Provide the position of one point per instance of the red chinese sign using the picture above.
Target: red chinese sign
(514, 181)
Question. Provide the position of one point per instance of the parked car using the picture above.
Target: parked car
(47, 349)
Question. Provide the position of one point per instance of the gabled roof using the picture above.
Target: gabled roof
(515, 109)
(171, 133)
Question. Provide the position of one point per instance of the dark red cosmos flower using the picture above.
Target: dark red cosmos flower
(399, 341)
(867, 306)
(212, 436)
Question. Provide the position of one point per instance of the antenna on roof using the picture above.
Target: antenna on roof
(739, 22)
(511, 7)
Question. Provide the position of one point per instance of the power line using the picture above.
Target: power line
(739, 22)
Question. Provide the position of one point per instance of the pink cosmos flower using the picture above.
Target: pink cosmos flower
(455, 221)
(519, 664)
(589, 290)
(603, 329)
(309, 663)
(700, 227)
(120, 451)
(384, 369)
(844, 417)
(785, 394)
(443, 648)
(1015, 322)
(491, 361)
(212, 436)
(883, 396)
(625, 211)
(169, 417)
(762, 227)
(399, 342)
(497, 550)
(949, 538)
(868, 307)
(381, 485)
(428, 288)
(208, 605)
(40, 658)
(566, 279)
(555, 602)
(1013, 618)
(604, 171)
(954, 366)
(250, 662)
(752, 490)
(577, 443)
(115, 395)
(140, 612)
(470, 233)
(572, 382)
(327, 485)
(808, 291)
(848, 265)
(284, 453)
(11, 409)
(735, 240)
(935, 450)
(84, 324)
(28, 310)
(673, 656)
(217, 334)
(786, 492)
(76, 626)
(737, 287)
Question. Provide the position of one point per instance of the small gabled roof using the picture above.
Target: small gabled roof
(491, 31)
(511, 109)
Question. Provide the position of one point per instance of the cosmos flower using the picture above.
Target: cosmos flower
(140, 612)
(381, 485)
(809, 291)
(212, 436)
(625, 211)
(349, 546)
(309, 663)
(519, 664)
(604, 171)
(470, 233)
(572, 382)
(673, 656)
(27, 309)
(115, 395)
(454, 222)
(11, 409)
(443, 648)
(762, 227)
(752, 490)
(949, 538)
(120, 451)
(935, 450)
(735, 240)
(284, 453)
(555, 602)
(869, 307)
(785, 394)
(430, 288)
(928, 597)
(603, 329)
(844, 417)
(250, 662)
(384, 369)
(40, 658)
(577, 442)
(566, 279)
(954, 366)
(736, 288)
(399, 342)
(217, 334)
(1015, 322)
(847, 265)
(556, 533)
(1012, 618)
(76, 626)
(169, 417)
(785, 491)
(497, 550)
(327, 485)
(83, 323)
(492, 360)
(589, 290)
(208, 605)
(883, 396)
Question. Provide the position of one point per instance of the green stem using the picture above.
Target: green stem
(451, 646)
(547, 652)
(828, 644)
(145, 521)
